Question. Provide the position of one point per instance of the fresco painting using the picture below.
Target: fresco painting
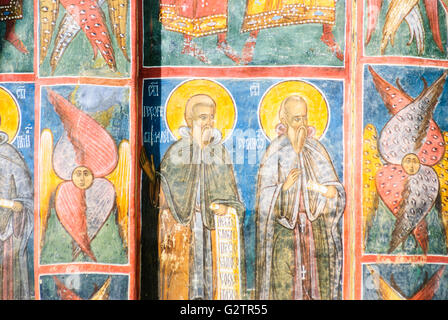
(99, 29)
(404, 282)
(16, 30)
(404, 159)
(16, 192)
(229, 178)
(84, 170)
(84, 287)
(406, 28)
(223, 150)
(226, 33)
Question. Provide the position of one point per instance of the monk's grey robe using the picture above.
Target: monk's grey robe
(15, 227)
(192, 179)
(277, 217)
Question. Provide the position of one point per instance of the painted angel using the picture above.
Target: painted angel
(405, 165)
(84, 191)
(391, 291)
(87, 16)
(410, 12)
(65, 293)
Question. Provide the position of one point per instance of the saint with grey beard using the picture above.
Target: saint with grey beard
(300, 202)
(16, 221)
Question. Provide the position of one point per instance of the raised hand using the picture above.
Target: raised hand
(291, 179)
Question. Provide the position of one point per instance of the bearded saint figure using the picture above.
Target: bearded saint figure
(16, 221)
(197, 184)
(300, 202)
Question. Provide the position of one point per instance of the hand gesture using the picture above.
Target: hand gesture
(219, 209)
(17, 206)
(327, 191)
(291, 179)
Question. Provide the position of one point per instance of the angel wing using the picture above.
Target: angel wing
(394, 98)
(441, 169)
(419, 195)
(93, 20)
(445, 8)
(373, 12)
(386, 291)
(396, 13)
(371, 164)
(68, 30)
(118, 13)
(48, 180)
(415, 23)
(432, 12)
(430, 287)
(103, 292)
(64, 292)
(392, 292)
(120, 178)
(48, 13)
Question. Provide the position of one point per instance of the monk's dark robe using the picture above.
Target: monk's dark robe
(191, 180)
(299, 246)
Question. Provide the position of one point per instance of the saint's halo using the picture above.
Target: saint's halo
(268, 109)
(225, 116)
(9, 114)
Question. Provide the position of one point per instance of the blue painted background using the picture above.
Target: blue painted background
(84, 285)
(247, 118)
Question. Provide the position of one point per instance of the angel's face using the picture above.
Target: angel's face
(82, 177)
(410, 164)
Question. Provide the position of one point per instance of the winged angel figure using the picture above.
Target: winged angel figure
(407, 163)
(101, 293)
(88, 16)
(85, 177)
(409, 11)
(391, 291)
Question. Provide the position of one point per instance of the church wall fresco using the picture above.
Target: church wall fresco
(238, 149)
(247, 122)
(99, 29)
(82, 286)
(17, 168)
(232, 32)
(17, 44)
(67, 83)
(400, 128)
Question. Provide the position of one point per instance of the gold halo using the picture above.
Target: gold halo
(9, 114)
(225, 106)
(270, 104)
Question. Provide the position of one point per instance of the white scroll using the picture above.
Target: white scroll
(227, 242)
(6, 203)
